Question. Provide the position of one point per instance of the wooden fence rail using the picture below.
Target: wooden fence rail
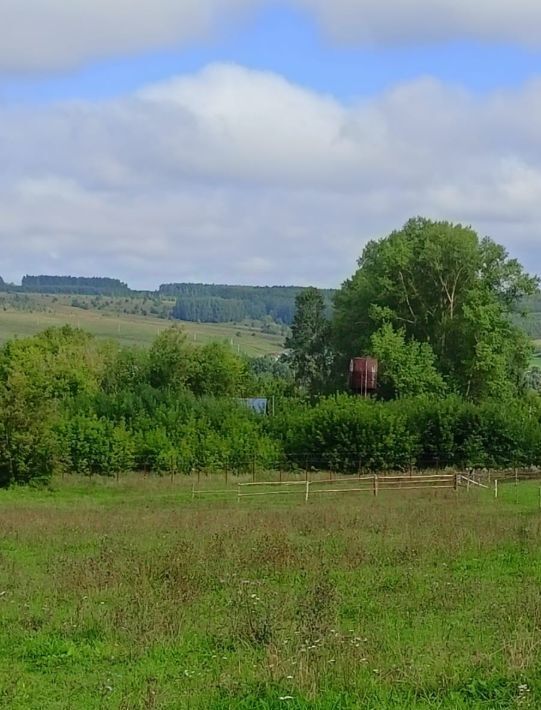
(368, 484)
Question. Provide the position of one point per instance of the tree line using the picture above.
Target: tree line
(72, 404)
(74, 285)
(69, 402)
(222, 304)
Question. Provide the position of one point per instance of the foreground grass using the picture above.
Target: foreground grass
(130, 595)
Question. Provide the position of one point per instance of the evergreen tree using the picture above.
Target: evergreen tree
(310, 355)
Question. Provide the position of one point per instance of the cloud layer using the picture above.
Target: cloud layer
(393, 22)
(239, 176)
(42, 35)
(45, 35)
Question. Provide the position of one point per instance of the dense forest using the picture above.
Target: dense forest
(220, 304)
(433, 302)
(215, 310)
(74, 285)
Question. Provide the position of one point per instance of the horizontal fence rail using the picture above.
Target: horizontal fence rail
(367, 484)
(332, 483)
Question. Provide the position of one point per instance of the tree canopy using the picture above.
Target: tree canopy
(310, 354)
(442, 285)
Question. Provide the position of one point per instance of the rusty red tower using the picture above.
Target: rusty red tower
(363, 376)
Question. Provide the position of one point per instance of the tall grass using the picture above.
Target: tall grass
(129, 595)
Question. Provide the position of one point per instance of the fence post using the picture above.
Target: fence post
(226, 474)
(238, 493)
(307, 491)
(193, 491)
(456, 481)
(496, 488)
(253, 470)
(375, 484)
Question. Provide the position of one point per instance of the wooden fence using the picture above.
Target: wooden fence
(370, 484)
(367, 484)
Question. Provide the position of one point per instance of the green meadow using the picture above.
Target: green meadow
(131, 329)
(129, 594)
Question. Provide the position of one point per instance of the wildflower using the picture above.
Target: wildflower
(286, 697)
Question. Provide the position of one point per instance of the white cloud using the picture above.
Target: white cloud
(236, 175)
(45, 35)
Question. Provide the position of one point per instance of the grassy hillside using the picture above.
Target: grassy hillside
(131, 595)
(536, 357)
(127, 328)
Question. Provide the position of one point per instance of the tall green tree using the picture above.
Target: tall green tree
(310, 353)
(216, 370)
(445, 286)
(38, 376)
(170, 359)
(407, 368)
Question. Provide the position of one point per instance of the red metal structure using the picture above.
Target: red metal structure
(363, 376)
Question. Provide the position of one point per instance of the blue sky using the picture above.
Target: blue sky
(261, 142)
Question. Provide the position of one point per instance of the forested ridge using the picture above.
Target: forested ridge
(74, 284)
(205, 303)
(437, 306)
(219, 303)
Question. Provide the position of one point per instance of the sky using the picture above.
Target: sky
(258, 141)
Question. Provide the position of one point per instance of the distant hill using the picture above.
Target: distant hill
(193, 302)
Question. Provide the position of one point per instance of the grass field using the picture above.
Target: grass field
(130, 595)
(133, 329)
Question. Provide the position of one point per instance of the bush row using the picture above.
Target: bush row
(345, 433)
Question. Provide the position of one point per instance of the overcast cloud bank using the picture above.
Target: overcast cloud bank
(44, 35)
(240, 176)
